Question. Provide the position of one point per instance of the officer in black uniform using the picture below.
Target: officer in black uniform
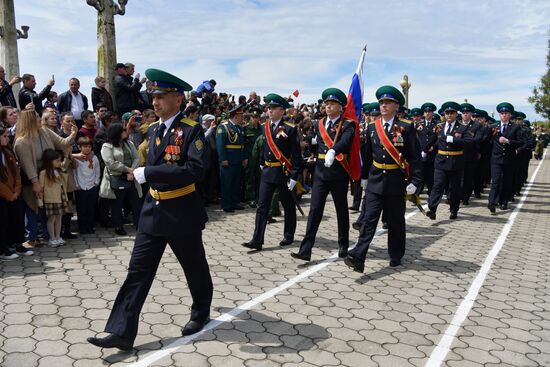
(172, 213)
(425, 135)
(330, 174)
(387, 179)
(482, 172)
(471, 151)
(506, 139)
(451, 140)
(275, 173)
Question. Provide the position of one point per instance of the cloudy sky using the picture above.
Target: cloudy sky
(487, 51)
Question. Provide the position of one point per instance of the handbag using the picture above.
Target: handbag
(119, 182)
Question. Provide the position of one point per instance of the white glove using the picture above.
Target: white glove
(291, 184)
(261, 167)
(411, 189)
(139, 175)
(314, 140)
(329, 158)
(450, 139)
(364, 183)
(424, 155)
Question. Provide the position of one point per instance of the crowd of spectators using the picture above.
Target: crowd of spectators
(90, 154)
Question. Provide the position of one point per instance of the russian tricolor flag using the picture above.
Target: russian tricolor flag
(353, 112)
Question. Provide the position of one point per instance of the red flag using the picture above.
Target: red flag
(296, 93)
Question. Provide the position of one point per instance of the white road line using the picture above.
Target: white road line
(228, 316)
(443, 347)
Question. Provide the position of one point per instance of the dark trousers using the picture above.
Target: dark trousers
(12, 223)
(502, 183)
(230, 182)
(394, 209)
(442, 180)
(148, 250)
(319, 192)
(86, 201)
(117, 204)
(468, 178)
(267, 190)
(357, 191)
(428, 175)
(481, 174)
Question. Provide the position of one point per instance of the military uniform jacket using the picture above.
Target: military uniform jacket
(391, 182)
(460, 141)
(425, 135)
(230, 143)
(343, 145)
(505, 153)
(475, 133)
(166, 171)
(285, 136)
(251, 133)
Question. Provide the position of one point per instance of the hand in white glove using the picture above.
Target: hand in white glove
(424, 155)
(329, 158)
(364, 183)
(450, 139)
(291, 183)
(261, 167)
(411, 189)
(139, 175)
(314, 140)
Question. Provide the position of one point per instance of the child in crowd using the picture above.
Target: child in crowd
(87, 175)
(12, 212)
(54, 195)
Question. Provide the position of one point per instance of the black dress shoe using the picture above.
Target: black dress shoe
(285, 242)
(194, 326)
(228, 210)
(492, 208)
(112, 341)
(239, 207)
(395, 262)
(477, 196)
(430, 214)
(453, 215)
(503, 206)
(271, 220)
(253, 204)
(69, 235)
(384, 225)
(121, 231)
(355, 264)
(342, 252)
(297, 255)
(356, 226)
(253, 245)
(465, 202)
(355, 209)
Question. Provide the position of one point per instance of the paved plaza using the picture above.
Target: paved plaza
(471, 292)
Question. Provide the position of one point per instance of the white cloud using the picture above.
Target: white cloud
(486, 50)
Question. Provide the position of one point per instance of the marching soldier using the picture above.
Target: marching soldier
(334, 136)
(392, 150)
(505, 140)
(483, 168)
(524, 152)
(451, 140)
(471, 151)
(252, 180)
(281, 161)
(229, 145)
(425, 135)
(175, 162)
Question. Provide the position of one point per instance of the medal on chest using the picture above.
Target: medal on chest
(397, 135)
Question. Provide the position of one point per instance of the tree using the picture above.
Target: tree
(106, 38)
(541, 93)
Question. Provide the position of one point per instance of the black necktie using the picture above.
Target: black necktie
(449, 129)
(387, 127)
(504, 128)
(160, 134)
(274, 127)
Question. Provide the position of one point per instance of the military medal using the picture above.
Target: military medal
(179, 136)
(157, 141)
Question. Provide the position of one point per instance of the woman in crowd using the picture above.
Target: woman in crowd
(31, 140)
(120, 157)
(12, 212)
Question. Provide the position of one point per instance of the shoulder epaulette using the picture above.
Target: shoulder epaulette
(290, 124)
(189, 122)
(406, 121)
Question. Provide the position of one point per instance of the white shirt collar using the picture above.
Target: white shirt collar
(390, 121)
(168, 122)
(275, 123)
